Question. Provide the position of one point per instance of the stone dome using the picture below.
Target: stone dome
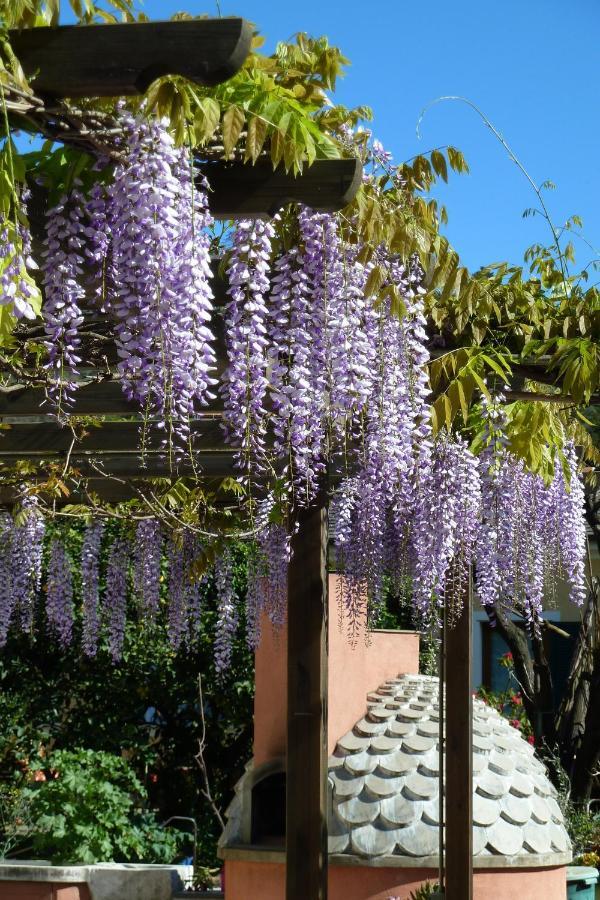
(384, 776)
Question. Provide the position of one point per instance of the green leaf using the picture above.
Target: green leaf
(255, 138)
(233, 122)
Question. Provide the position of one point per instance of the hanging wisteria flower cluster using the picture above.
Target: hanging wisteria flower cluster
(146, 240)
(531, 533)
(318, 379)
(137, 572)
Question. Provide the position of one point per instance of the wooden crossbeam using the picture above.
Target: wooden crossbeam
(116, 60)
(259, 190)
(46, 439)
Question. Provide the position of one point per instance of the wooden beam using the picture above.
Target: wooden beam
(239, 190)
(46, 439)
(306, 782)
(459, 754)
(115, 60)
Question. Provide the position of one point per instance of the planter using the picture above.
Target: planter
(581, 882)
(104, 881)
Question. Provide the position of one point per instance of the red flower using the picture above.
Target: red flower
(531, 739)
(153, 777)
(508, 657)
(515, 723)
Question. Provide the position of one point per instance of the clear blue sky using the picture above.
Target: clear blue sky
(533, 66)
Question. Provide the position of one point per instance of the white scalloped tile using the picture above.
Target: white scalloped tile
(537, 838)
(559, 838)
(382, 743)
(481, 744)
(501, 762)
(419, 839)
(354, 743)
(366, 727)
(399, 729)
(540, 809)
(338, 843)
(345, 784)
(480, 839)
(504, 838)
(520, 785)
(370, 841)
(361, 763)
(429, 729)
(430, 764)
(555, 810)
(479, 763)
(357, 811)
(398, 811)
(491, 785)
(516, 810)
(398, 763)
(383, 787)
(408, 714)
(420, 787)
(485, 811)
(431, 811)
(416, 743)
(381, 713)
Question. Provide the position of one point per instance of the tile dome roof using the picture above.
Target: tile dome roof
(384, 776)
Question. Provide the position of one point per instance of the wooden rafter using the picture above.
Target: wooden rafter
(117, 60)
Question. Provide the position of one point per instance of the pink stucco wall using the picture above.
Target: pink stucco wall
(354, 669)
(39, 890)
(264, 881)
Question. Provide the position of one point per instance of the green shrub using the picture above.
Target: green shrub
(91, 809)
(427, 890)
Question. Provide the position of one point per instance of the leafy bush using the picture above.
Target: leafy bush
(90, 809)
(509, 702)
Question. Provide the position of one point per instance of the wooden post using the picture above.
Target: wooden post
(306, 784)
(459, 755)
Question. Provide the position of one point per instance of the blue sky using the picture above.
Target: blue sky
(533, 66)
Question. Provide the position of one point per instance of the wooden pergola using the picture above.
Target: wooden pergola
(110, 60)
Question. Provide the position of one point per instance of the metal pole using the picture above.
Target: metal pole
(306, 780)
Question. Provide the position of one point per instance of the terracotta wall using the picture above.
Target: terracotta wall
(354, 670)
(263, 881)
(39, 890)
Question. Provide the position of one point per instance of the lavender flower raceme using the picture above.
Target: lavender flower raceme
(114, 609)
(63, 266)
(59, 593)
(7, 598)
(227, 618)
(90, 586)
(156, 214)
(18, 290)
(245, 379)
(26, 560)
(147, 555)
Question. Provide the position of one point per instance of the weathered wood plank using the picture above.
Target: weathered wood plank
(46, 439)
(306, 784)
(115, 60)
(459, 755)
(243, 190)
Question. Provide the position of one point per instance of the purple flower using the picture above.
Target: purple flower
(59, 593)
(114, 610)
(90, 586)
(63, 267)
(227, 615)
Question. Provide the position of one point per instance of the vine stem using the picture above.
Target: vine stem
(513, 156)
